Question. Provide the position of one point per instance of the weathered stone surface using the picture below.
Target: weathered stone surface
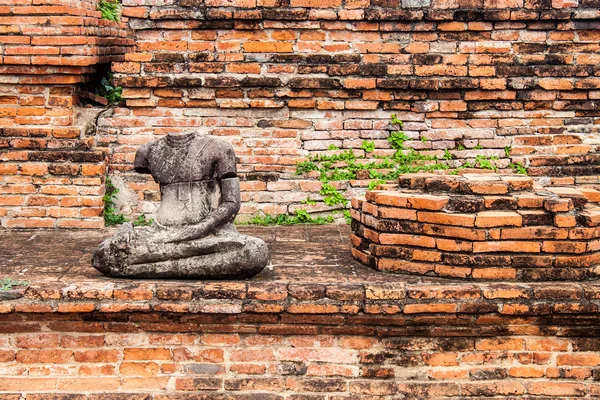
(193, 235)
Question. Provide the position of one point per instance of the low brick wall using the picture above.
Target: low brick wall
(253, 340)
(479, 226)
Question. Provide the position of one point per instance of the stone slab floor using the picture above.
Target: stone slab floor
(299, 254)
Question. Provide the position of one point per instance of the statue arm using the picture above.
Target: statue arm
(141, 159)
(224, 213)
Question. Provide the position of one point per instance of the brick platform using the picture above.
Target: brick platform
(479, 226)
(316, 325)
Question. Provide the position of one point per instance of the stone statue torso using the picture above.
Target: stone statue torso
(188, 169)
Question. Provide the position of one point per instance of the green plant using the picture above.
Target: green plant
(333, 147)
(368, 146)
(397, 121)
(478, 147)
(309, 201)
(397, 140)
(424, 139)
(460, 147)
(7, 284)
(341, 175)
(110, 216)
(301, 217)
(485, 163)
(507, 151)
(345, 165)
(519, 168)
(142, 221)
(332, 196)
(305, 167)
(375, 183)
(111, 10)
(107, 89)
(347, 216)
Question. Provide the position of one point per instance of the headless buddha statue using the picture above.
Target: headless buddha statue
(193, 235)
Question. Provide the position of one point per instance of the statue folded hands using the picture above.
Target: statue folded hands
(193, 235)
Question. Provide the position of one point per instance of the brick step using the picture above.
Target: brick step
(566, 171)
(557, 160)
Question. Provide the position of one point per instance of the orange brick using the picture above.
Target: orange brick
(316, 3)
(430, 308)
(410, 240)
(534, 232)
(556, 389)
(507, 246)
(93, 169)
(499, 344)
(397, 213)
(441, 359)
(424, 255)
(526, 372)
(146, 354)
(44, 356)
(388, 264)
(427, 202)
(488, 219)
(453, 245)
(388, 198)
(564, 247)
(97, 356)
(494, 273)
(268, 47)
(565, 220)
(582, 359)
(447, 218)
(139, 369)
(454, 232)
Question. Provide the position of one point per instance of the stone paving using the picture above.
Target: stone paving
(300, 253)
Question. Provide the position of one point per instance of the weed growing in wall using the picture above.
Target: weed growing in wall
(111, 10)
(107, 89)
(345, 166)
(300, 217)
(7, 284)
(110, 215)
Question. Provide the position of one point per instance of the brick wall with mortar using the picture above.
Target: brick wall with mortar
(281, 80)
(51, 173)
(284, 79)
(327, 341)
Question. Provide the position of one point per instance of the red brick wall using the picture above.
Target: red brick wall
(282, 80)
(78, 365)
(238, 340)
(51, 174)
